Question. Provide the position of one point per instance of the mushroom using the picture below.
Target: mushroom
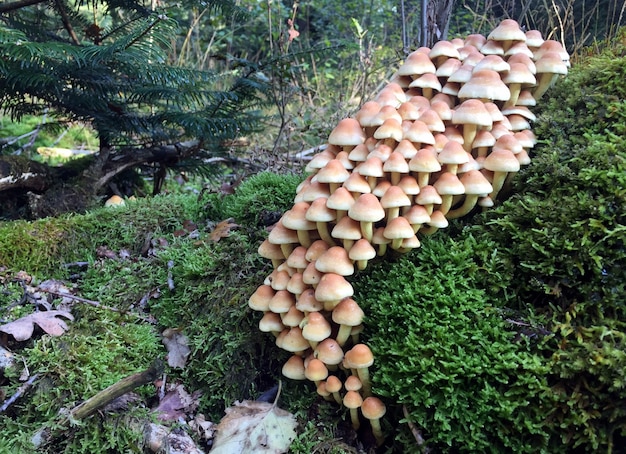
(367, 210)
(315, 328)
(360, 358)
(316, 371)
(373, 409)
(295, 219)
(332, 289)
(353, 400)
(333, 386)
(346, 314)
(361, 252)
(347, 134)
(319, 213)
(294, 368)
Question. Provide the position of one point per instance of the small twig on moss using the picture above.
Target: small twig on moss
(415, 431)
(95, 304)
(108, 395)
(19, 393)
(46, 436)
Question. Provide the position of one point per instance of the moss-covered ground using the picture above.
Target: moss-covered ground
(503, 333)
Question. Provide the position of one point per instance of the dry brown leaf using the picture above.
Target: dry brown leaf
(177, 403)
(49, 321)
(177, 345)
(222, 229)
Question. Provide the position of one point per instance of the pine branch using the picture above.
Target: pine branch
(17, 5)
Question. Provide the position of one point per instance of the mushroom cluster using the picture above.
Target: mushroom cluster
(438, 141)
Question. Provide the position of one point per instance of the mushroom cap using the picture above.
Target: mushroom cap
(294, 368)
(406, 149)
(416, 63)
(418, 133)
(270, 251)
(485, 84)
(260, 299)
(352, 399)
(347, 228)
(316, 328)
(333, 384)
(356, 183)
(362, 250)
(348, 312)
(397, 162)
(417, 214)
(296, 284)
(282, 235)
(398, 227)
(428, 196)
(409, 185)
(333, 287)
(295, 218)
(360, 356)
(271, 322)
(307, 302)
(335, 260)
(493, 62)
(319, 212)
(507, 30)
(551, 62)
(452, 153)
(371, 167)
(297, 258)
(443, 48)
(292, 318)
(390, 129)
(373, 408)
(341, 199)
(329, 352)
(367, 208)
(472, 111)
(475, 182)
(316, 370)
(332, 172)
(437, 219)
(449, 183)
(293, 341)
(282, 301)
(317, 248)
(347, 132)
(425, 160)
(501, 161)
(394, 197)
(353, 383)
(519, 74)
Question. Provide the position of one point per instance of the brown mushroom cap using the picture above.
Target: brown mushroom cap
(486, 85)
(294, 368)
(348, 132)
(331, 289)
(260, 299)
(329, 352)
(367, 210)
(335, 260)
(307, 302)
(315, 328)
(271, 323)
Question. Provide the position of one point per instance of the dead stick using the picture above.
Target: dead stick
(108, 395)
(93, 303)
(20, 391)
(45, 435)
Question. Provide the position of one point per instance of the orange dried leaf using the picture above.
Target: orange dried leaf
(222, 229)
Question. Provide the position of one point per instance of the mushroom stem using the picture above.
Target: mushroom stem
(343, 334)
(545, 81)
(497, 183)
(367, 230)
(469, 133)
(468, 204)
(322, 228)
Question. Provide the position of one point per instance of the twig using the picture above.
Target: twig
(415, 431)
(170, 278)
(45, 435)
(108, 395)
(20, 391)
(94, 304)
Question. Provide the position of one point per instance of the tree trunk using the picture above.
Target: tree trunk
(435, 21)
(32, 190)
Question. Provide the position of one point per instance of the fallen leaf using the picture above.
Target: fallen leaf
(22, 328)
(177, 345)
(203, 428)
(222, 229)
(176, 403)
(254, 427)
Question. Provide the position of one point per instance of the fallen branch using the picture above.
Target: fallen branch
(45, 435)
(108, 395)
(19, 393)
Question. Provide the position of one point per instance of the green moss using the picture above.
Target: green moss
(446, 352)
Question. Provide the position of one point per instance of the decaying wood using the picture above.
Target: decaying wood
(108, 395)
